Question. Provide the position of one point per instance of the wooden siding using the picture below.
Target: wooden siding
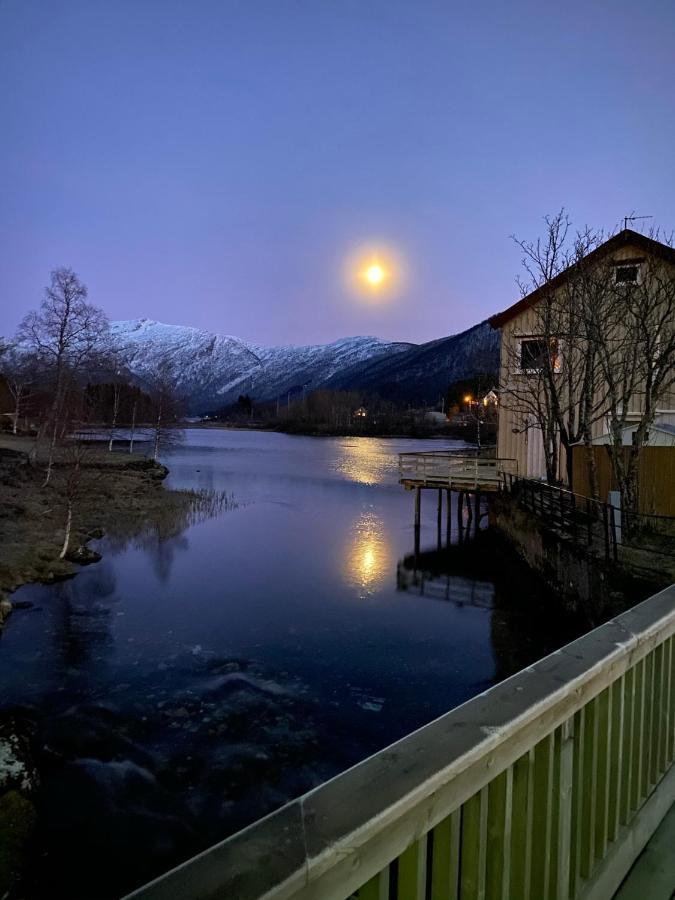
(656, 474)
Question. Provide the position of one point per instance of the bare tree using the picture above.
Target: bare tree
(66, 334)
(166, 403)
(554, 382)
(20, 371)
(71, 485)
(631, 324)
(116, 396)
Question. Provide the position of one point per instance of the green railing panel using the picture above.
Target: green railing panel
(500, 792)
(521, 825)
(628, 745)
(542, 811)
(474, 847)
(603, 772)
(589, 789)
(445, 839)
(377, 888)
(616, 770)
(412, 872)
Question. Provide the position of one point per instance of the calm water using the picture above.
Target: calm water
(183, 687)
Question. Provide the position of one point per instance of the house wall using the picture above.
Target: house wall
(514, 438)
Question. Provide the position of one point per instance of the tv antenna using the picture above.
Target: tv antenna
(633, 218)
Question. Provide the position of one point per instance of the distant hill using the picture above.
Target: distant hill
(212, 370)
(422, 373)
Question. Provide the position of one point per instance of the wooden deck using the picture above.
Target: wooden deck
(455, 471)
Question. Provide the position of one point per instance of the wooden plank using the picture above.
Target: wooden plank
(627, 763)
(579, 725)
(671, 742)
(412, 871)
(669, 677)
(445, 858)
(648, 724)
(542, 809)
(377, 888)
(589, 789)
(521, 826)
(561, 884)
(657, 716)
(603, 771)
(500, 795)
(638, 737)
(474, 847)
(616, 771)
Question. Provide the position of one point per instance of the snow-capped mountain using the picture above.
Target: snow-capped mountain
(212, 370)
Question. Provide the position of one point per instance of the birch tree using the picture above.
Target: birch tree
(66, 334)
(20, 371)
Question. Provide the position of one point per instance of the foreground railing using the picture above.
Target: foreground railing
(448, 468)
(548, 785)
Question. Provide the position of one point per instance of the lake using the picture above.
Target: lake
(200, 676)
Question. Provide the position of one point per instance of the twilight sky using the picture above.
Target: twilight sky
(215, 162)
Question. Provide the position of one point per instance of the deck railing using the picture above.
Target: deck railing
(547, 787)
(448, 468)
(591, 524)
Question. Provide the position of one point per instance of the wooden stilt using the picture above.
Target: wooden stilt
(418, 506)
(439, 519)
(448, 527)
(460, 508)
(477, 516)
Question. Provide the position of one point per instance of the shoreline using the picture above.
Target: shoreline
(120, 494)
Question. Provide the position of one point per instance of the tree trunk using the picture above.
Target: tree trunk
(133, 429)
(66, 539)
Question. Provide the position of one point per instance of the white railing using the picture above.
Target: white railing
(450, 469)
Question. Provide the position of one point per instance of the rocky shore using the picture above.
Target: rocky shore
(118, 493)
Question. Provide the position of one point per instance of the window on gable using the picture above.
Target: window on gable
(532, 354)
(626, 274)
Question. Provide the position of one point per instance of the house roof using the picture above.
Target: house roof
(627, 237)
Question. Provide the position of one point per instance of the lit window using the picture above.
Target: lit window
(533, 353)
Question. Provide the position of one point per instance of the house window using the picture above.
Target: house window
(533, 353)
(626, 274)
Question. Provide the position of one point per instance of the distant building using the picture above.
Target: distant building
(360, 413)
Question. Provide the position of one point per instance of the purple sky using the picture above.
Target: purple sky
(214, 162)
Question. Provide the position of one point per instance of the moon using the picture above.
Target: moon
(375, 274)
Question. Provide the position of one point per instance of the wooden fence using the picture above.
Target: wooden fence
(545, 787)
(656, 477)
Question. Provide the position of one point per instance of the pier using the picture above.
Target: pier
(469, 474)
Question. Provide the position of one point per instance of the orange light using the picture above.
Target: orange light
(468, 398)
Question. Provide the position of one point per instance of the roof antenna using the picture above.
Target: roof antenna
(633, 218)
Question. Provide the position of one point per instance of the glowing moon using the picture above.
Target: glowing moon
(374, 272)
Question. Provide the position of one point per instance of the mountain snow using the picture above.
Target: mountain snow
(212, 370)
